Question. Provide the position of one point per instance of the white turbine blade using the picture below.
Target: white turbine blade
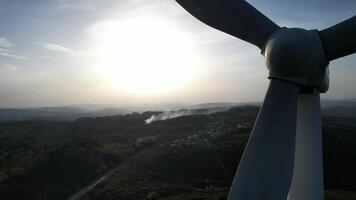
(308, 181)
(266, 168)
(340, 39)
(235, 17)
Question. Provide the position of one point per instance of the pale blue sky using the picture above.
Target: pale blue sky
(46, 51)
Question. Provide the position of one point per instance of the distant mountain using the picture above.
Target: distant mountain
(134, 107)
(338, 111)
(213, 105)
(45, 113)
(345, 108)
(338, 102)
(111, 112)
(339, 108)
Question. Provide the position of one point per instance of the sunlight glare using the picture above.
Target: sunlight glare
(143, 56)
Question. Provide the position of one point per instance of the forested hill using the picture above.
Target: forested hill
(185, 157)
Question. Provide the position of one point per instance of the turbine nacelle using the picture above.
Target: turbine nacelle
(296, 55)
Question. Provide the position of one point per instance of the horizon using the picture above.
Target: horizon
(166, 105)
(64, 52)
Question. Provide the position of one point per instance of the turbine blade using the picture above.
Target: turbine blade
(340, 39)
(266, 168)
(235, 17)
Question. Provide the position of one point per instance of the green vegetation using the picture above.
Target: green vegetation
(190, 157)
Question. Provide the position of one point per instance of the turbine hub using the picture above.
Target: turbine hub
(297, 55)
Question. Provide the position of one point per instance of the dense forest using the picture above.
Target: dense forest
(122, 157)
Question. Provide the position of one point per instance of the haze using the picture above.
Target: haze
(63, 52)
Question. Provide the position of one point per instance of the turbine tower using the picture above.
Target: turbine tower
(283, 157)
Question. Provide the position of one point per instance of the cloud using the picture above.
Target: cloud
(5, 50)
(10, 74)
(45, 57)
(12, 56)
(8, 67)
(5, 42)
(59, 48)
(86, 5)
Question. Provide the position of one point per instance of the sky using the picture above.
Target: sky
(67, 52)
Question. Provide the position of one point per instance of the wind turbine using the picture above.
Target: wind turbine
(283, 157)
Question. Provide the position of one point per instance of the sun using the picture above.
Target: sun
(143, 56)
